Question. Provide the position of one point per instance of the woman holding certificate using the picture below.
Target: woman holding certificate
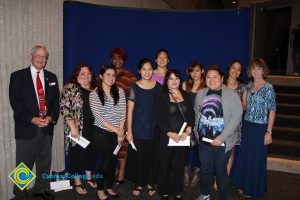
(108, 106)
(78, 121)
(218, 112)
(173, 108)
(141, 165)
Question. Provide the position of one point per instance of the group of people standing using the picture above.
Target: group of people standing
(117, 109)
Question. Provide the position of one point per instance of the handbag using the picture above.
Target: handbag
(193, 136)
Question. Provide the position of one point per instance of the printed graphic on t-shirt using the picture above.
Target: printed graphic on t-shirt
(211, 122)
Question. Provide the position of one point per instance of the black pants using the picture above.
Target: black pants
(38, 151)
(105, 143)
(171, 170)
(82, 158)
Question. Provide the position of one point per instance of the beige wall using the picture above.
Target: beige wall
(25, 23)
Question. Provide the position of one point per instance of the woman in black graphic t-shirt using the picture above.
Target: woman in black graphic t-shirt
(218, 113)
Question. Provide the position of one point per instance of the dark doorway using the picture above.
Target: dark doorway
(271, 42)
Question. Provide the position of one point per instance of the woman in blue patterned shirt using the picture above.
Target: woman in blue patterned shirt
(251, 172)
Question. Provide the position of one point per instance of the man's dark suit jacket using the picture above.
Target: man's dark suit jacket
(24, 103)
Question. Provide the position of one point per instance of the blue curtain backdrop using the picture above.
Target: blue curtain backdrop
(212, 37)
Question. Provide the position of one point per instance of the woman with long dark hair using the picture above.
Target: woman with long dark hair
(108, 105)
(78, 120)
(124, 80)
(195, 83)
(233, 80)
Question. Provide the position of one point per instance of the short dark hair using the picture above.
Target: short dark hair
(217, 68)
(167, 76)
(160, 51)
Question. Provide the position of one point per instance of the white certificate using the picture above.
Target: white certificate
(82, 141)
(132, 145)
(185, 142)
(117, 149)
(58, 185)
(62, 189)
(210, 141)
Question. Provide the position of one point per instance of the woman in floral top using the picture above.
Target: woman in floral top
(78, 120)
(251, 172)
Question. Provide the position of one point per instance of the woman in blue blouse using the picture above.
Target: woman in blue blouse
(251, 172)
(141, 128)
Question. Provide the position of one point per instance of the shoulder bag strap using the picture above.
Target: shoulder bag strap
(183, 116)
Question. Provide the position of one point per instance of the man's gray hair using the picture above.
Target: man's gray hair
(36, 47)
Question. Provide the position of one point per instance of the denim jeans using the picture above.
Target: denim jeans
(213, 161)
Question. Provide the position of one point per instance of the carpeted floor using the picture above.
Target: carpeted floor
(281, 186)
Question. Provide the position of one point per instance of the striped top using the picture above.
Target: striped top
(111, 113)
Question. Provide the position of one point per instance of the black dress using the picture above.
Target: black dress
(141, 164)
(79, 158)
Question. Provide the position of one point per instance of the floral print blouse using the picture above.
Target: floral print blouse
(71, 105)
(260, 103)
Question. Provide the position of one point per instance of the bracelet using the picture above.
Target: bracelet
(270, 132)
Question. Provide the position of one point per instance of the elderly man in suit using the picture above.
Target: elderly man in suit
(34, 98)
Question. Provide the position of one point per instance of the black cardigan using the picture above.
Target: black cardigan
(162, 113)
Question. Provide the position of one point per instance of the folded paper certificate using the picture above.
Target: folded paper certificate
(117, 149)
(62, 189)
(58, 185)
(132, 145)
(185, 142)
(82, 141)
(210, 141)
